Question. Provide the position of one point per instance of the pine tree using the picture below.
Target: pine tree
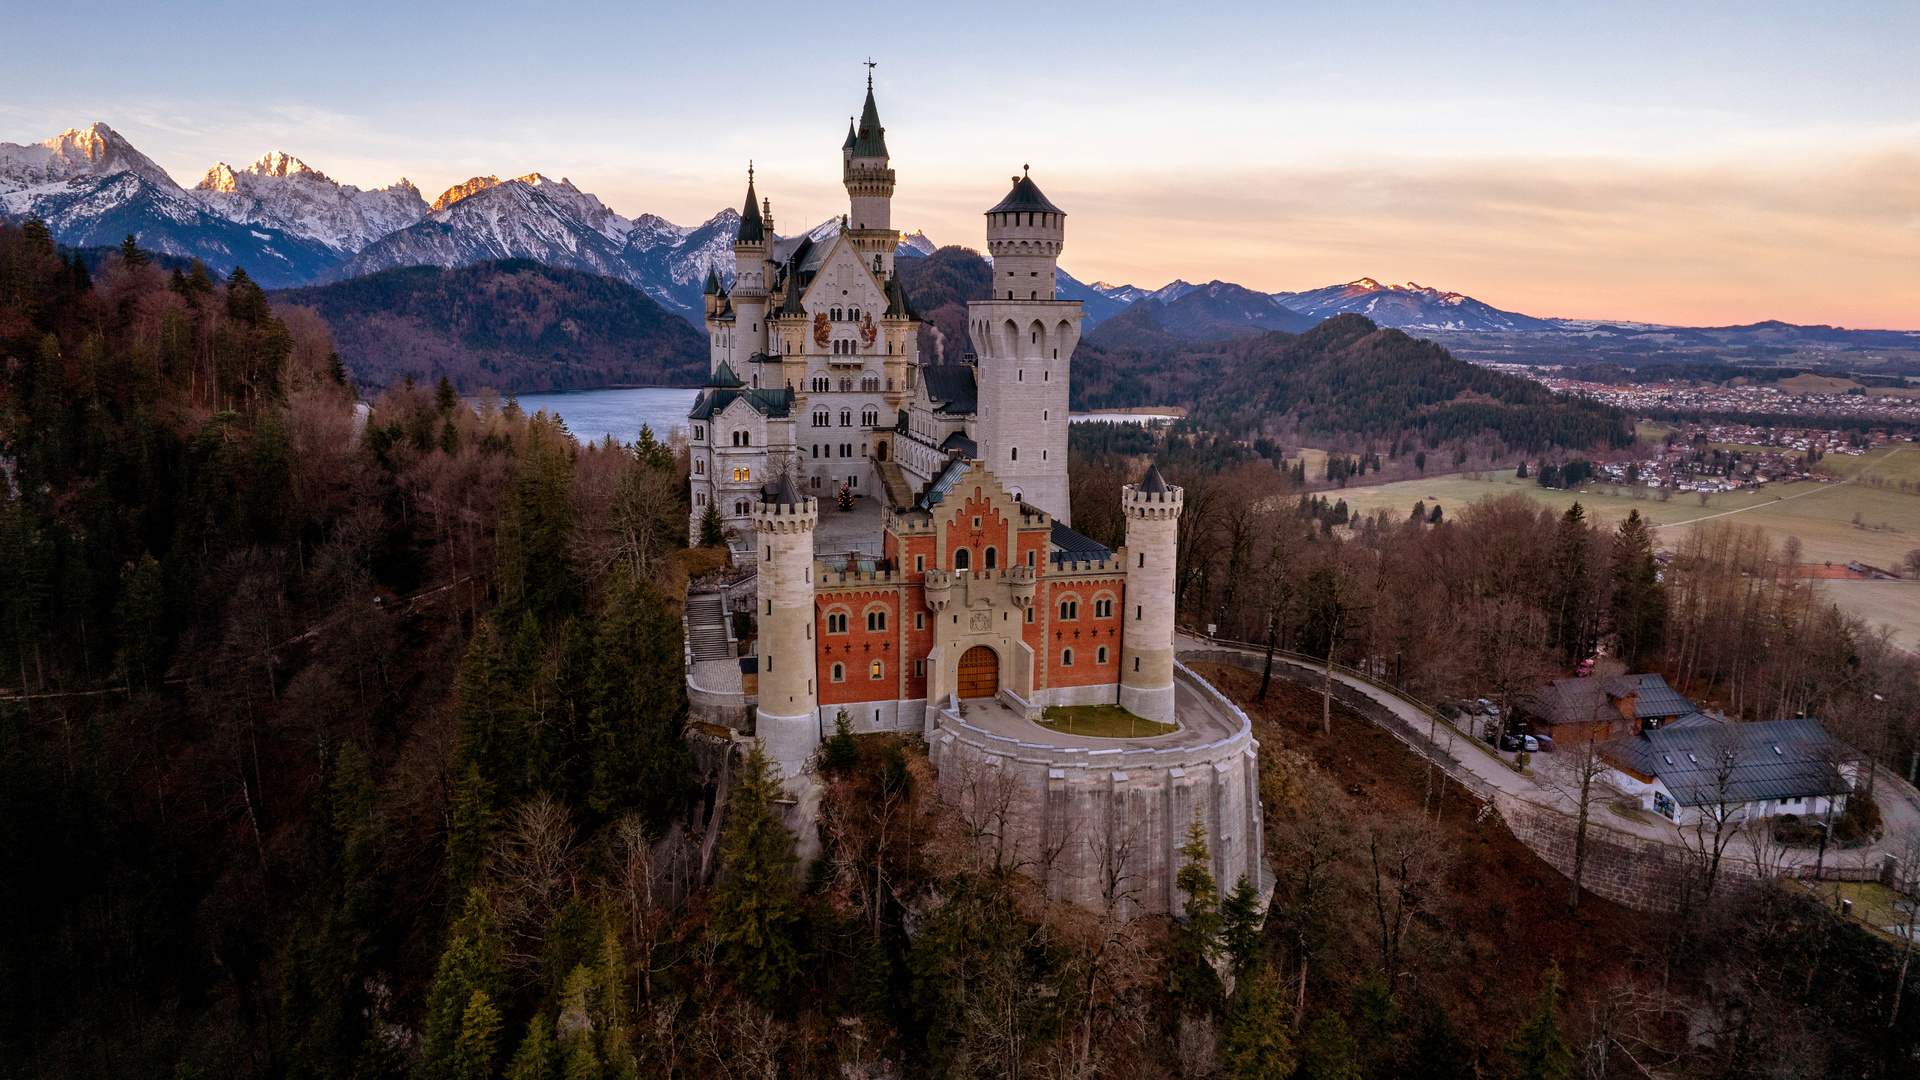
(537, 574)
(712, 529)
(539, 1055)
(1240, 929)
(840, 753)
(469, 830)
(1197, 942)
(130, 253)
(651, 452)
(580, 1058)
(473, 1053)
(1569, 599)
(1329, 1050)
(449, 438)
(1257, 1047)
(445, 397)
(472, 963)
(1539, 1050)
(1521, 472)
(845, 499)
(1438, 1052)
(637, 710)
(1420, 462)
(336, 370)
(1639, 607)
(754, 908)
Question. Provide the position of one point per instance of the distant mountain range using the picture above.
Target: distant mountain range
(290, 225)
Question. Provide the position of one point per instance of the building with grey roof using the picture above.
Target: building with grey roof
(1706, 767)
(1604, 707)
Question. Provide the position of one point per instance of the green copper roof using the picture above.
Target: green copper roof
(871, 141)
(752, 230)
(723, 376)
(848, 145)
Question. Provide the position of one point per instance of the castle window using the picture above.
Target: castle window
(700, 498)
(1103, 609)
(876, 620)
(870, 384)
(876, 670)
(1136, 663)
(1030, 558)
(699, 431)
(741, 476)
(846, 417)
(822, 385)
(839, 673)
(1069, 609)
(816, 483)
(993, 558)
(1016, 454)
(816, 449)
(920, 669)
(919, 567)
(962, 559)
(1029, 614)
(1136, 613)
(870, 418)
(699, 468)
(822, 418)
(1100, 657)
(919, 620)
(863, 449)
(741, 506)
(835, 315)
(837, 623)
(1066, 657)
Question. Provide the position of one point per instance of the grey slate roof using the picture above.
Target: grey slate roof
(1026, 196)
(1770, 759)
(952, 386)
(781, 492)
(1070, 546)
(942, 485)
(752, 228)
(1152, 484)
(773, 404)
(966, 446)
(1569, 701)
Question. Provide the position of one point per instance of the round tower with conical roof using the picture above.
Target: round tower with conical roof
(1146, 645)
(787, 718)
(1024, 340)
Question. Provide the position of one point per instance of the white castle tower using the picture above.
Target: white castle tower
(749, 292)
(1146, 643)
(787, 718)
(869, 183)
(1023, 340)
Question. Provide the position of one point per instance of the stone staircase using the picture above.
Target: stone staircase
(707, 628)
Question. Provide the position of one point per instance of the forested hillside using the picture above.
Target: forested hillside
(512, 325)
(939, 287)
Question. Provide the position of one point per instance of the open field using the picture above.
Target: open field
(1816, 384)
(1892, 604)
(1900, 461)
(1316, 462)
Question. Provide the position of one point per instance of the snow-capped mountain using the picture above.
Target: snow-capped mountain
(1126, 294)
(281, 191)
(1098, 305)
(915, 245)
(670, 262)
(531, 217)
(97, 151)
(1408, 307)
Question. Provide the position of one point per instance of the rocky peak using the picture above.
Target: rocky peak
(98, 150)
(461, 191)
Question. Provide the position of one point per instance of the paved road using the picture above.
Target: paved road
(1899, 802)
(1755, 506)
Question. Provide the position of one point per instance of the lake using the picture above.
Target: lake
(592, 415)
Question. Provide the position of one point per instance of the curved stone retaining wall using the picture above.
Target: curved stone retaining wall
(1102, 827)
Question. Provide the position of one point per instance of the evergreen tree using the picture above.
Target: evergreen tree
(713, 531)
(580, 1058)
(537, 574)
(1197, 941)
(469, 830)
(754, 908)
(474, 1052)
(1257, 1047)
(651, 452)
(1420, 462)
(82, 280)
(335, 369)
(130, 253)
(845, 498)
(1329, 1050)
(840, 753)
(449, 438)
(1240, 920)
(471, 966)
(1539, 1051)
(445, 397)
(1438, 1052)
(1569, 599)
(638, 706)
(1639, 607)
(1521, 472)
(539, 1055)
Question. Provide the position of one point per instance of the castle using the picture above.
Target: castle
(978, 595)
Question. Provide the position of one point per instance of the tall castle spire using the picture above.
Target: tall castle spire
(869, 183)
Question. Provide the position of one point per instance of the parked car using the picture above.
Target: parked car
(1546, 743)
(1510, 741)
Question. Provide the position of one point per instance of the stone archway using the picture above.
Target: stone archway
(979, 673)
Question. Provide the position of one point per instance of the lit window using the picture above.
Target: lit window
(741, 476)
(876, 670)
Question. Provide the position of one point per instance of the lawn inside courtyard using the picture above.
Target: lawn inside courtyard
(1102, 722)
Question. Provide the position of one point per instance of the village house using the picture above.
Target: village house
(1601, 708)
(1704, 768)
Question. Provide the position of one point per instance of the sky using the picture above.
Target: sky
(1687, 163)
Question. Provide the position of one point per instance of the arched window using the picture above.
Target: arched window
(822, 418)
(1069, 609)
(876, 670)
(699, 498)
(846, 417)
(1103, 609)
(993, 559)
(837, 623)
(876, 620)
(1016, 454)
(741, 506)
(699, 431)
(870, 418)
(1100, 657)
(962, 559)
(699, 468)
(742, 476)
(839, 673)
(1066, 657)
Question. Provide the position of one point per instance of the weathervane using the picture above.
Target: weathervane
(870, 66)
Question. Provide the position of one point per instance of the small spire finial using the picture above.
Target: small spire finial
(870, 66)
(1024, 168)
(749, 170)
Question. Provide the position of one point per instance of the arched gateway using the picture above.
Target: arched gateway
(979, 672)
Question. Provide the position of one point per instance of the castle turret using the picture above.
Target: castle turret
(869, 183)
(1024, 340)
(1146, 646)
(749, 293)
(787, 718)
